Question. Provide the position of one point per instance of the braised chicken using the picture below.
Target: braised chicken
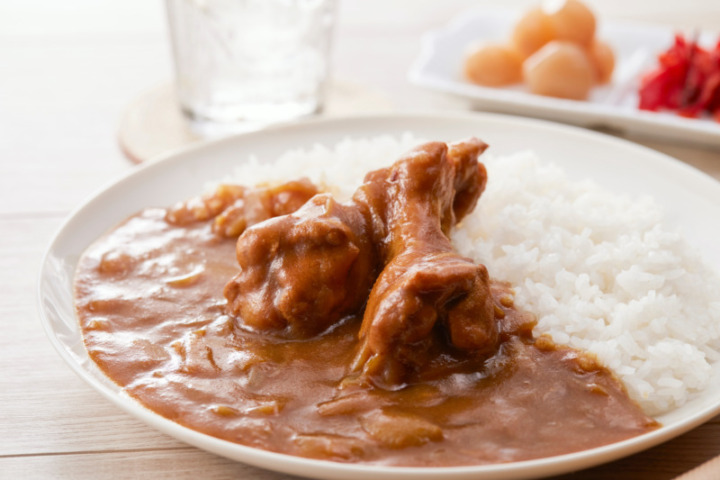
(424, 281)
(235, 207)
(386, 249)
(300, 273)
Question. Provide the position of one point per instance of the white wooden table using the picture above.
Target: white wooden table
(67, 70)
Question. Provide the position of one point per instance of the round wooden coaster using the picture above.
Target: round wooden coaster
(152, 125)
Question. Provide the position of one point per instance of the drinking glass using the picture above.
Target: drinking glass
(243, 64)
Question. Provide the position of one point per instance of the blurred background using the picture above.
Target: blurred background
(69, 69)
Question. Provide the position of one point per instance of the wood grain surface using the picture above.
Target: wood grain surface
(67, 71)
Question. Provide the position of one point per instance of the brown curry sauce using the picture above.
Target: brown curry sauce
(351, 332)
(150, 304)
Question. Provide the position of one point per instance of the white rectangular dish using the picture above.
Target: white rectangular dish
(440, 62)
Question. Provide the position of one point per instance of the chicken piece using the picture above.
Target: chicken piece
(301, 273)
(470, 177)
(199, 209)
(424, 280)
(235, 207)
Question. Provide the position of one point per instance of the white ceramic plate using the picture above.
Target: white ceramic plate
(439, 66)
(690, 197)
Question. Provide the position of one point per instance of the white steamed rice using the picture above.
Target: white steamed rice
(599, 270)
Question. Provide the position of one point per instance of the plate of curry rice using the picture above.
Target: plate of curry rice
(411, 296)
